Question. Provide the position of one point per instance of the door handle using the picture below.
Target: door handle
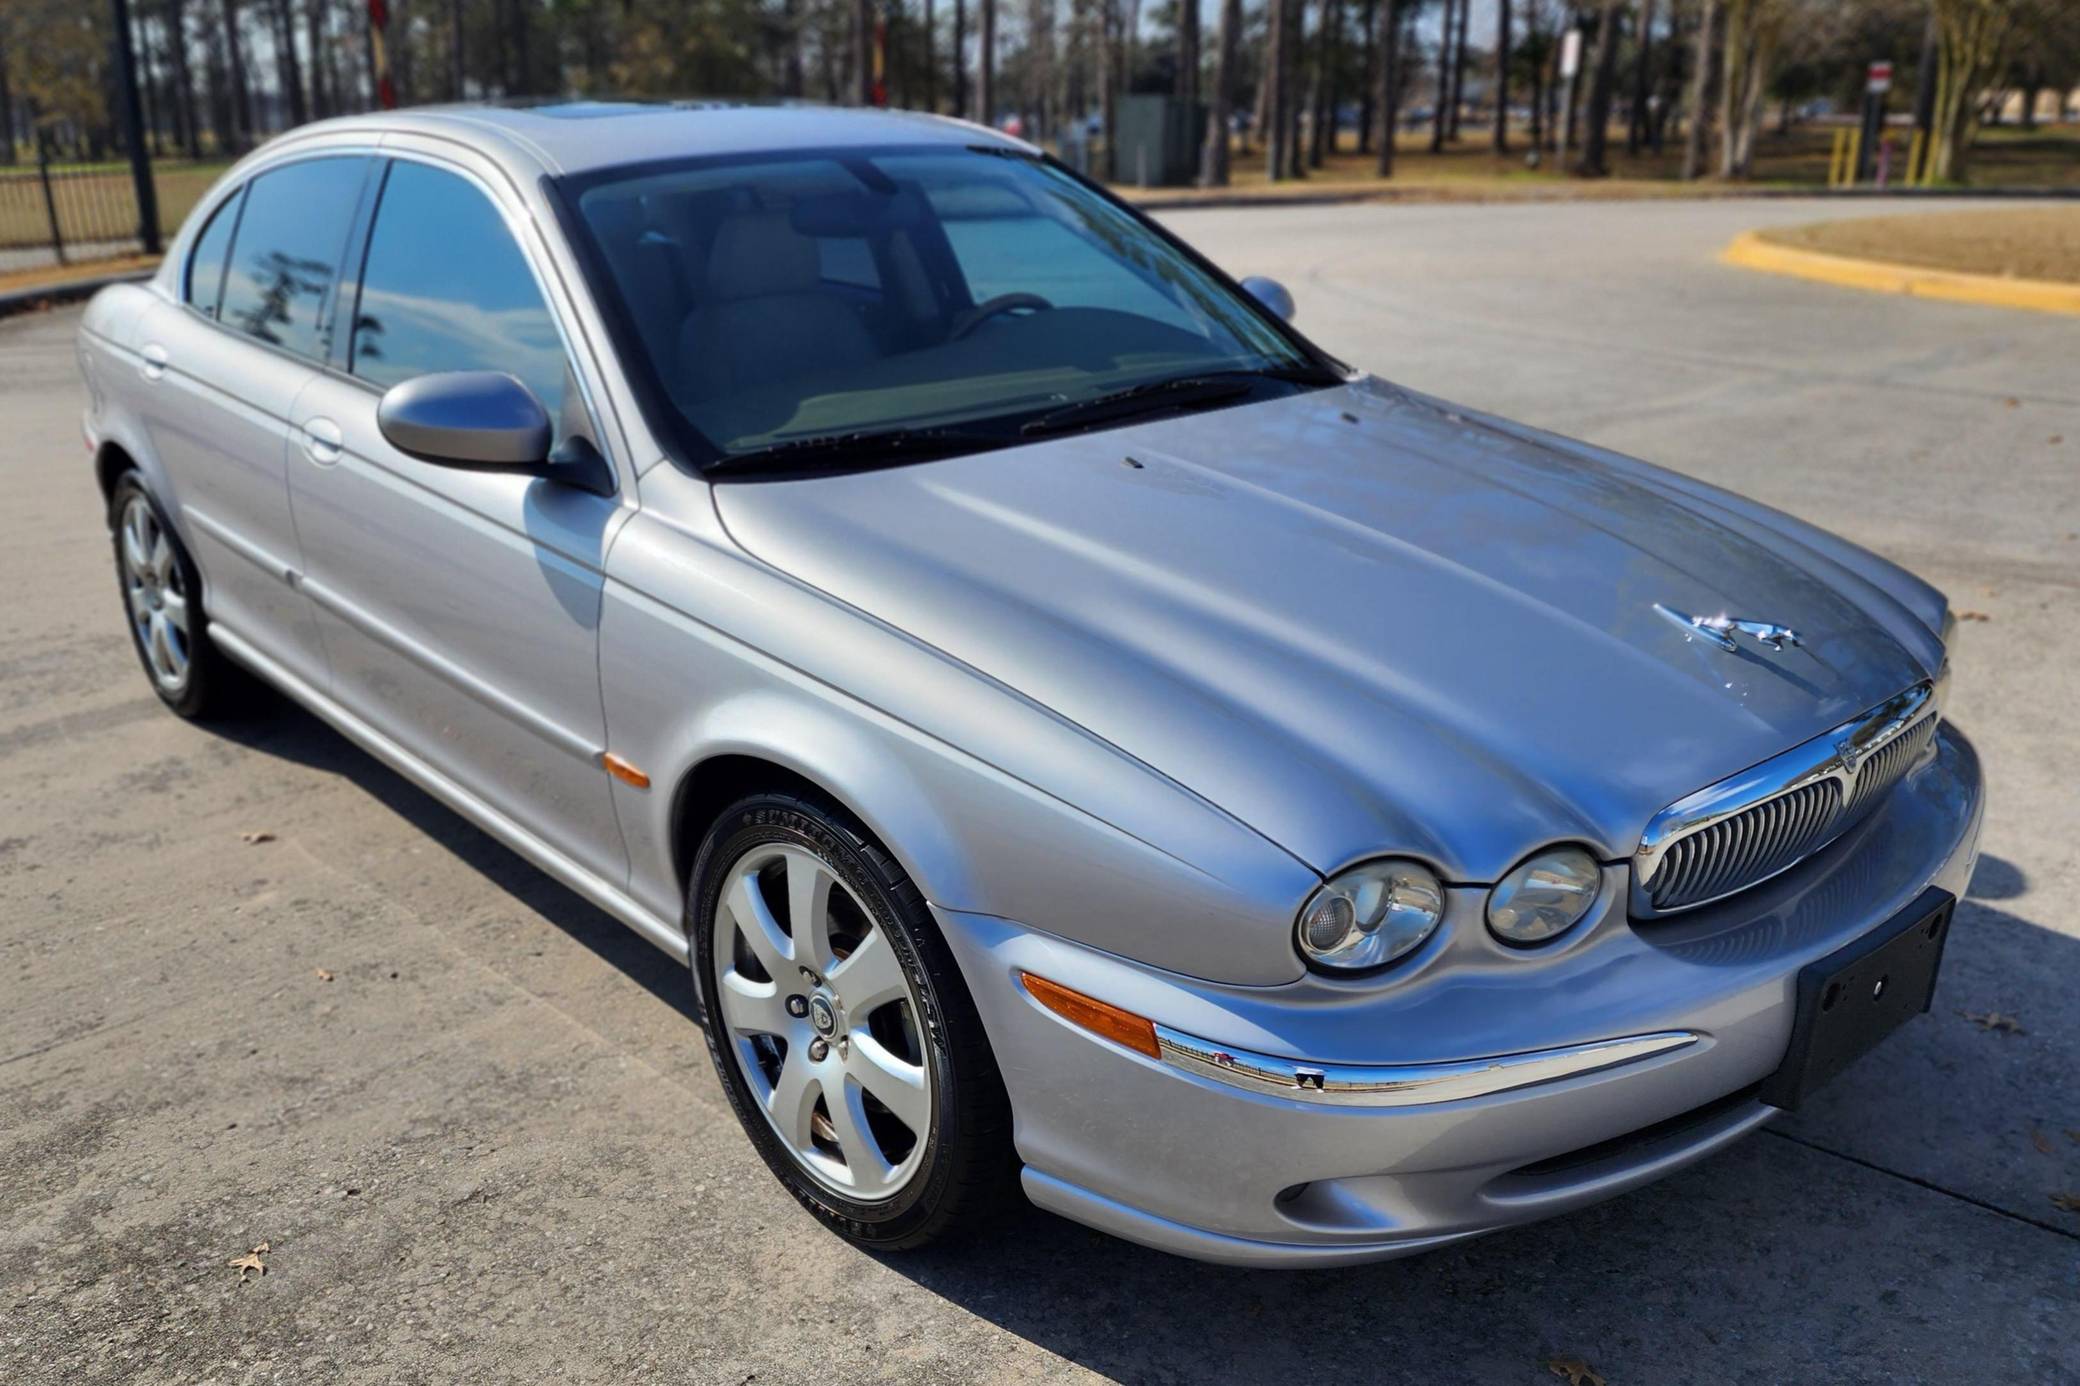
(154, 361)
(322, 440)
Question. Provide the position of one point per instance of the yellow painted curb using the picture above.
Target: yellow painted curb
(1751, 251)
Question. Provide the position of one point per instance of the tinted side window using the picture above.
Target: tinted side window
(445, 288)
(205, 284)
(290, 240)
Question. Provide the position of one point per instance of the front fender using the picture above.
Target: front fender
(992, 805)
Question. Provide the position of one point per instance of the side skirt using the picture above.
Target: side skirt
(601, 893)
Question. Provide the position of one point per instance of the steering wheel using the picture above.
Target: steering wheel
(991, 307)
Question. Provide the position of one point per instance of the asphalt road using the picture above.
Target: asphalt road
(470, 1117)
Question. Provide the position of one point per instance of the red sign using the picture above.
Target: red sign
(1879, 80)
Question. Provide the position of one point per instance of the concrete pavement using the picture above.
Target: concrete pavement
(471, 1119)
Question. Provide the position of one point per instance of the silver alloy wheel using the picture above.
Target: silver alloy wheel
(156, 594)
(823, 1022)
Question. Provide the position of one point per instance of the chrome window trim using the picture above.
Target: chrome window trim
(1406, 1085)
(1837, 755)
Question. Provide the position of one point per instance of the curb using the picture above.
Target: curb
(68, 291)
(1750, 251)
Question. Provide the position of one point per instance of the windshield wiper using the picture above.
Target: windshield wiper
(1182, 392)
(867, 448)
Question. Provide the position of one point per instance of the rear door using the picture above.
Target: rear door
(222, 371)
(460, 608)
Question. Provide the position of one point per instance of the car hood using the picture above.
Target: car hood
(1355, 619)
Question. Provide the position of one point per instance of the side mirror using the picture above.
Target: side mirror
(466, 419)
(1271, 294)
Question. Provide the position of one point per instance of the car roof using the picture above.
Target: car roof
(562, 137)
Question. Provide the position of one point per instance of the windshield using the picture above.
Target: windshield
(785, 302)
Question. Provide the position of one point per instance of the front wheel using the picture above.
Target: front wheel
(842, 1030)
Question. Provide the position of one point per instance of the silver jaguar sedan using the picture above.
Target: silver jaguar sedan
(1081, 736)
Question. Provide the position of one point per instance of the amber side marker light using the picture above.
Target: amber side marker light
(1137, 1033)
(623, 771)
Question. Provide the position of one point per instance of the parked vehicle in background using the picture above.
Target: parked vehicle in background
(1079, 734)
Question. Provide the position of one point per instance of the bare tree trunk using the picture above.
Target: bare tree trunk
(1108, 86)
(986, 63)
(235, 75)
(7, 136)
(1296, 53)
(458, 66)
(1040, 68)
(1502, 47)
(1368, 86)
(960, 57)
(1388, 100)
(1274, 96)
(1187, 52)
(286, 67)
(1439, 121)
(1642, 80)
(1318, 83)
(1596, 137)
(1459, 71)
(173, 19)
(863, 52)
(1704, 77)
(1213, 161)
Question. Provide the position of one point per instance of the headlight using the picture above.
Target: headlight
(1545, 896)
(1370, 915)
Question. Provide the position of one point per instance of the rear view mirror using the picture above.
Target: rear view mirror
(466, 418)
(1271, 294)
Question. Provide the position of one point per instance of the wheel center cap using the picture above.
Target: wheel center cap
(823, 1015)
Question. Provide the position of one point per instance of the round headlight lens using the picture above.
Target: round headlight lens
(1370, 915)
(1545, 896)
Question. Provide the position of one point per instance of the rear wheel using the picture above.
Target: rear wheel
(843, 1033)
(162, 601)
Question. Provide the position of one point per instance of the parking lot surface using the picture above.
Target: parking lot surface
(471, 1118)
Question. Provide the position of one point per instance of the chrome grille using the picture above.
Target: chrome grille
(1886, 766)
(1744, 830)
(1751, 846)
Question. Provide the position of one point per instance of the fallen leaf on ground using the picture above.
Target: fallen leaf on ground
(254, 839)
(2069, 1202)
(2073, 1135)
(249, 1262)
(323, 975)
(1994, 1020)
(2012, 402)
(1973, 616)
(1575, 1371)
(2057, 438)
(2041, 1141)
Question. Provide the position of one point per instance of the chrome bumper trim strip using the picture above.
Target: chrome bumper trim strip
(1407, 1085)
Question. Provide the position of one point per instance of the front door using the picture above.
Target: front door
(460, 608)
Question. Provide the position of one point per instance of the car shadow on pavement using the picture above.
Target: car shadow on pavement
(277, 727)
(1898, 1228)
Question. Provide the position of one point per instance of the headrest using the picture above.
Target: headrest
(759, 253)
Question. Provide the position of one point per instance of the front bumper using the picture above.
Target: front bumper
(1209, 1159)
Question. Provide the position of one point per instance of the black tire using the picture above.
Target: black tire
(212, 686)
(968, 1172)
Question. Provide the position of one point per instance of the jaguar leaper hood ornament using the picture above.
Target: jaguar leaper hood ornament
(1721, 629)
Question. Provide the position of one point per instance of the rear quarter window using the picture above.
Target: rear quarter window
(204, 285)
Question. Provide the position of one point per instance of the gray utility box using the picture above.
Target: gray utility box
(1159, 139)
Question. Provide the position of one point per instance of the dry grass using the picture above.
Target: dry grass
(45, 276)
(2013, 242)
(2005, 157)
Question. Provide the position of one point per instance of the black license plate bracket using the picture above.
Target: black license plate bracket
(1860, 993)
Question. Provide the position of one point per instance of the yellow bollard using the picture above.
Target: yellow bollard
(1915, 149)
(1834, 159)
